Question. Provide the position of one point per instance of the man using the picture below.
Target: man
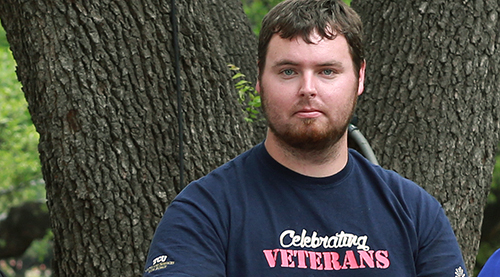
(301, 203)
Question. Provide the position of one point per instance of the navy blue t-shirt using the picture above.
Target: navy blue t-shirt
(255, 217)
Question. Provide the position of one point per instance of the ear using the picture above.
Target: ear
(361, 79)
(257, 86)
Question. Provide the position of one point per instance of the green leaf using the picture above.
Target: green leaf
(238, 75)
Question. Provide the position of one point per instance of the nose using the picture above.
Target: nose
(308, 86)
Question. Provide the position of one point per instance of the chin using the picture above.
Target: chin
(310, 136)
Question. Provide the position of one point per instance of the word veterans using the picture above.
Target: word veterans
(328, 260)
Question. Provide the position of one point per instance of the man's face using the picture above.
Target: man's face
(309, 91)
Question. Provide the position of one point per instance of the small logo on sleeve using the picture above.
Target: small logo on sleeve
(459, 272)
(159, 262)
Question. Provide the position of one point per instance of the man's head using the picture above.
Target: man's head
(301, 18)
(311, 71)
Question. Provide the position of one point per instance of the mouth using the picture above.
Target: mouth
(308, 113)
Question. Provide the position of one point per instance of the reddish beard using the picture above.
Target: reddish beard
(309, 134)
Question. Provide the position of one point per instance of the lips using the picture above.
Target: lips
(308, 113)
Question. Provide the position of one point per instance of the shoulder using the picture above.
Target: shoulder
(407, 193)
(389, 178)
(225, 178)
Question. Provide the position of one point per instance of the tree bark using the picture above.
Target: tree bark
(431, 104)
(99, 78)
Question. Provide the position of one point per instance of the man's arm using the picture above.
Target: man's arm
(189, 240)
(439, 253)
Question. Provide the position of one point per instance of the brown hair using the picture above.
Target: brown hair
(293, 18)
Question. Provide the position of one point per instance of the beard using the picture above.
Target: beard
(308, 134)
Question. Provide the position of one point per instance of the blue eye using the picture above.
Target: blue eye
(328, 72)
(288, 72)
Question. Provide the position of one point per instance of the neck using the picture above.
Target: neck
(323, 163)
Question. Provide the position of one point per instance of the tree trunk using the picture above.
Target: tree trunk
(430, 109)
(99, 78)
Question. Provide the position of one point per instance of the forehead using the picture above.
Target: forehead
(318, 50)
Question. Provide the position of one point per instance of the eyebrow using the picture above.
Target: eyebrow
(332, 63)
(285, 62)
(289, 62)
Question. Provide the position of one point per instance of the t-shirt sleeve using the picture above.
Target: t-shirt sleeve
(189, 241)
(438, 251)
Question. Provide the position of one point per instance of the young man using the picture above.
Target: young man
(301, 203)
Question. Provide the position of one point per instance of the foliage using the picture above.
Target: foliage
(247, 95)
(20, 169)
(39, 249)
(255, 11)
(20, 175)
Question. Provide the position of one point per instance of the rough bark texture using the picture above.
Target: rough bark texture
(431, 104)
(99, 80)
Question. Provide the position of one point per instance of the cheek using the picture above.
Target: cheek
(275, 95)
(340, 105)
(342, 93)
(274, 103)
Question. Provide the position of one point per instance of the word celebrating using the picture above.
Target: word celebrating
(288, 239)
(328, 260)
